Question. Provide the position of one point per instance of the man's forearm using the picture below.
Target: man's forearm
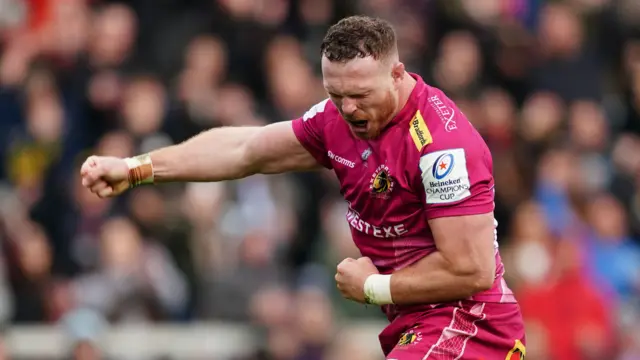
(434, 280)
(214, 155)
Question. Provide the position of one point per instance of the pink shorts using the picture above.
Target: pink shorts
(464, 330)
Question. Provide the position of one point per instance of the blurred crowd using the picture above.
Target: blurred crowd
(553, 86)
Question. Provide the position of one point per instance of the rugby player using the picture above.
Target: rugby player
(417, 178)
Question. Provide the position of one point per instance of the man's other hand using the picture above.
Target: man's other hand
(351, 275)
(105, 176)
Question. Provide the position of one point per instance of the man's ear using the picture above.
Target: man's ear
(397, 72)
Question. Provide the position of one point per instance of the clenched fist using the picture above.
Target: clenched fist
(351, 275)
(105, 176)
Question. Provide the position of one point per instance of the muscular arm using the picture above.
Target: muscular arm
(231, 153)
(463, 265)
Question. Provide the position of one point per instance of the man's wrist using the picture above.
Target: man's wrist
(377, 289)
(140, 170)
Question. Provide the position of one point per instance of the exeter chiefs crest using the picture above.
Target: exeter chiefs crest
(518, 352)
(410, 337)
(381, 183)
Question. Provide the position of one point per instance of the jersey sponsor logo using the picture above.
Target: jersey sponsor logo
(445, 113)
(518, 352)
(445, 176)
(419, 131)
(315, 110)
(341, 160)
(383, 232)
(381, 183)
(410, 337)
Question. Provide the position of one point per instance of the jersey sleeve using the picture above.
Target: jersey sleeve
(456, 171)
(310, 130)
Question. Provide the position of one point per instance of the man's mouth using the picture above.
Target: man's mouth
(358, 123)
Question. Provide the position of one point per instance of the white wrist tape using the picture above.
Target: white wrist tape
(377, 289)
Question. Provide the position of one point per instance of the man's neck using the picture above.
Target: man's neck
(404, 93)
(406, 88)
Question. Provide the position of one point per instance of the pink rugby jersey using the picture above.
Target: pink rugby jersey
(429, 162)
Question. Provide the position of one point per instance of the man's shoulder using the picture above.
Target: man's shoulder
(440, 112)
(447, 124)
(317, 122)
(436, 123)
(323, 112)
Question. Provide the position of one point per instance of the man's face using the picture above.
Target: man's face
(365, 91)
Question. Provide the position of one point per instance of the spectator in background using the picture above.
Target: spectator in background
(575, 320)
(135, 279)
(32, 279)
(612, 256)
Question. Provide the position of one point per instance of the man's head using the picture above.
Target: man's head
(362, 73)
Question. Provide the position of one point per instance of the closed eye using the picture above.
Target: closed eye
(353, 96)
(361, 96)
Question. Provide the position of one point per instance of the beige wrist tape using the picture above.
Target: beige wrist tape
(140, 170)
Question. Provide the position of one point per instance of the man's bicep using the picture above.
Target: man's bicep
(467, 241)
(276, 149)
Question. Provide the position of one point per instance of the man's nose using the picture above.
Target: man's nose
(349, 106)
